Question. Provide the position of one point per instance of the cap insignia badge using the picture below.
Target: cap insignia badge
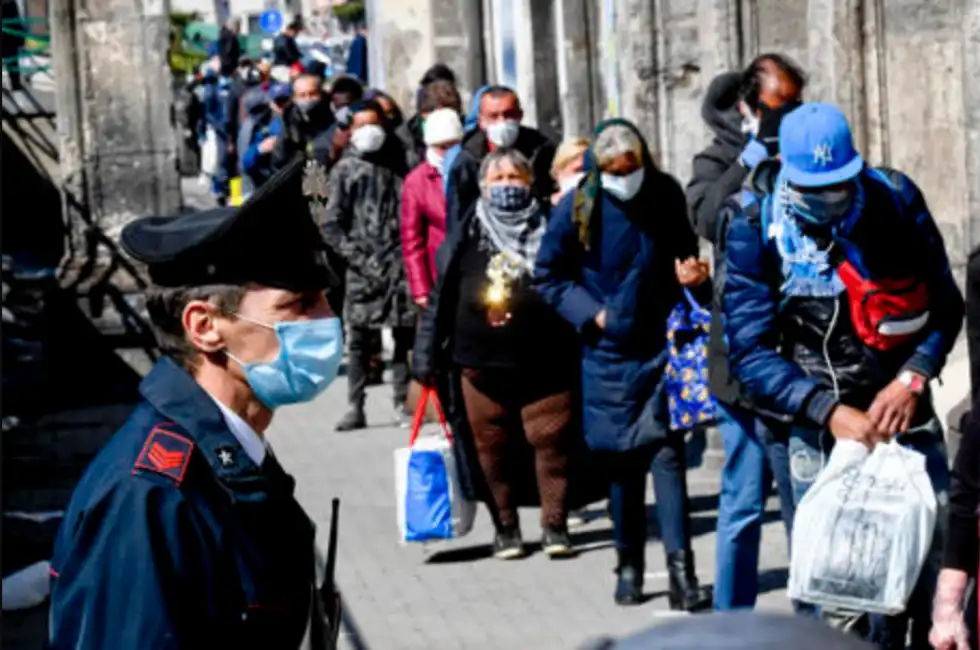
(822, 154)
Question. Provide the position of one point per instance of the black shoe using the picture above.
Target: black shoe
(685, 594)
(353, 421)
(629, 586)
(556, 542)
(508, 545)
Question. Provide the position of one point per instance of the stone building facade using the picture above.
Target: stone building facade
(906, 72)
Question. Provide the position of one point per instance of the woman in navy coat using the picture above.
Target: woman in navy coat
(613, 261)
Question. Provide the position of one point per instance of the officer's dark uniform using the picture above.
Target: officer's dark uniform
(174, 538)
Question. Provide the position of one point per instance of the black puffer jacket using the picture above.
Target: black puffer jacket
(718, 176)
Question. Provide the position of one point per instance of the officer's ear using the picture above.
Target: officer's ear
(199, 319)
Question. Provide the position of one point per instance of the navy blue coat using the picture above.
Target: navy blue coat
(894, 237)
(629, 271)
(174, 538)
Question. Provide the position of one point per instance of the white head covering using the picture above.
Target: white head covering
(442, 126)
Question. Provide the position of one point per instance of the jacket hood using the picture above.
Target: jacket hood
(720, 108)
(473, 117)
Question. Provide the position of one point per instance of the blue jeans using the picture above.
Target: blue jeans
(753, 456)
(808, 449)
(627, 498)
(222, 175)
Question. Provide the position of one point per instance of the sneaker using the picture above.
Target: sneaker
(556, 543)
(508, 545)
(577, 518)
(402, 417)
(353, 421)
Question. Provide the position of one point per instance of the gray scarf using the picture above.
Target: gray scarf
(516, 233)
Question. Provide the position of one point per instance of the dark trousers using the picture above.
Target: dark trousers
(627, 498)
(359, 352)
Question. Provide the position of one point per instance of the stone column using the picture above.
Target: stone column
(575, 66)
(971, 91)
(835, 45)
(637, 45)
(114, 101)
(408, 36)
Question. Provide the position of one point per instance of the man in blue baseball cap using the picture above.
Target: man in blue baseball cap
(840, 307)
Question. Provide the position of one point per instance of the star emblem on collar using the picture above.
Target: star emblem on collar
(822, 154)
(225, 457)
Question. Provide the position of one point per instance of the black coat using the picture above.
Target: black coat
(973, 318)
(432, 360)
(285, 51)
(718, 176)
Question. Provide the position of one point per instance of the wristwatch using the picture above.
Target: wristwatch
(913, 381)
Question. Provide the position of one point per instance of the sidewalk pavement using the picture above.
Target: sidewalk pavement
(451, 596)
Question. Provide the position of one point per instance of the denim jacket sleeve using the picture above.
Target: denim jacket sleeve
(558, 269)
(750, 304)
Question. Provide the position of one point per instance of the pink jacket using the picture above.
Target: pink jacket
(423, 226)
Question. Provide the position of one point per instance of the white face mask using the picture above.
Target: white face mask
(623, 188)
(434, 158)
(368, 138)
(504, 134)
(570, 182)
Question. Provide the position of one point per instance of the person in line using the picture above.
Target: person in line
(362, 226)
(448, 96)
(744, 111)
(246, 81)
(285, 51)
(614, 269)
(307, 122)
(500, 128)
(262, 127)
(344, 92)
(357, 55)
(820, 259)
(566, 169)
(954, 626)
(185, 530)
(217, 93)
(424, 205)
(229, 47)
(471, 123)
(514, 356)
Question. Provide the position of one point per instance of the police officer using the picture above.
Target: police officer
(185, 532)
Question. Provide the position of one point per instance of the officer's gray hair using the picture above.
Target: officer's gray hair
(505, 157)
(165, 306)
(617, 140)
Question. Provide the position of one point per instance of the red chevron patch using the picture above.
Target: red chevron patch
(165, 452)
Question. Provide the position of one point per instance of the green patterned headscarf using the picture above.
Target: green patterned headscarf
(587, 196)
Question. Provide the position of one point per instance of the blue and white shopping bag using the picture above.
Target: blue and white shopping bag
(689, 401)
(430, 502)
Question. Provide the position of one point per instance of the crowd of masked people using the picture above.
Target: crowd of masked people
(531, 283)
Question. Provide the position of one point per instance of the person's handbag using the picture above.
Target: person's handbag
(430, 502)
(863, 530)
(886, 313)
(689, 401)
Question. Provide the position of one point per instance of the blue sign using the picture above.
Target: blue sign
(271, 21)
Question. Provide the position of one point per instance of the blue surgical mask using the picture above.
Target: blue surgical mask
(309, 358)
(509, 198)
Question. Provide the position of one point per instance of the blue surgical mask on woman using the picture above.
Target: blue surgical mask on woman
(309, 358)
(509, 198)
(626, 187)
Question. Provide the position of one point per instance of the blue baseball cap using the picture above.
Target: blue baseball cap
(816, 146)
(279, 91)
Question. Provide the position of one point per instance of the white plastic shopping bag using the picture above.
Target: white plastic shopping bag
(863, 530)
(427, 491)
(209, 153)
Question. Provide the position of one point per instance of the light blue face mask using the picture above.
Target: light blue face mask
(309, 360)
